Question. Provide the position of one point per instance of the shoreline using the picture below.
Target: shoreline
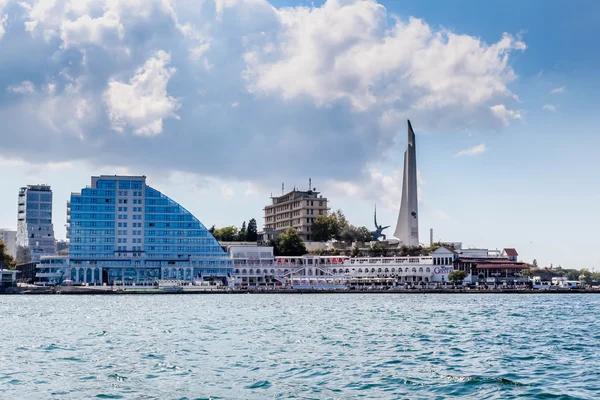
(70, 291)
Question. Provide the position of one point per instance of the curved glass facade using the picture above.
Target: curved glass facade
(134, 233)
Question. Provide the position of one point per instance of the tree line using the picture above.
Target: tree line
(569, 274)
(245, 233)
(335, 226)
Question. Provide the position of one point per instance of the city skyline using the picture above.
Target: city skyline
(214, 109)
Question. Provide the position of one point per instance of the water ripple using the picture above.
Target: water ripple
(300, 346)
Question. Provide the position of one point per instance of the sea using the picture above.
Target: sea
(300, 346)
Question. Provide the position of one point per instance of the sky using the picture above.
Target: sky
(219, 102)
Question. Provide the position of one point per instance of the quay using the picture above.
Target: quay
(75, 290)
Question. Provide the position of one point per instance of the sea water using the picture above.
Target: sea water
(303, 346)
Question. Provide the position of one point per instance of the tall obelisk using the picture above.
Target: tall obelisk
(407, 229)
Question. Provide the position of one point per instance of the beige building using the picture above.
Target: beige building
(296, 209)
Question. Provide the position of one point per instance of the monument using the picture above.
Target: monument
(407, 228)
(378, 232)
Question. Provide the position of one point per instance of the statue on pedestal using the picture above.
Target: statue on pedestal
(377, 233)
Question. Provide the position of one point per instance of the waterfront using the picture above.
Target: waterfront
(300, 345)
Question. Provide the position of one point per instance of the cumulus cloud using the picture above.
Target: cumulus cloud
(558, 90)
(86, 29)
(473, 151)
(24, 87)
(143, 103)
(241, 79)
(345, 51)
(504, 114)
(549, 107)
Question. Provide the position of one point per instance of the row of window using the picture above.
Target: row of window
(177, 251)
(92, 208)
(93, 239)
(37, 197)
(93, 224)
(39, 206)
(111, 184)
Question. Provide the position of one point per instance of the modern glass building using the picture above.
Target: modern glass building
(122, 230)
(34, 221)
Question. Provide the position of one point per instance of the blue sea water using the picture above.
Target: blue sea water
(319, 346)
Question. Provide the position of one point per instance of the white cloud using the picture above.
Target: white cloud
(7, 162)
(480, 148)
(504, 114)
(549, 107)
(143, 103)
(86, 29)
(227, 191)
(3, 19)
(25, 87)
(343, 51)
(558, 90)
(348, 69)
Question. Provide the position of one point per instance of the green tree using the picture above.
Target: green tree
(290, 243)
(355, 234)
(355, 252)
(252, 234)
(23, 255)
(534, 263)
(226, 234)
(587, 276)
(242, 233)
(325, 228)
(363, 234)
(457, 276)
(6, 260)
(341, 220)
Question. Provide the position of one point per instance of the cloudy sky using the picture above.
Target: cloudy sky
(218, 102)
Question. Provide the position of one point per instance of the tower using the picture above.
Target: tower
(407, 228)
(34, 221)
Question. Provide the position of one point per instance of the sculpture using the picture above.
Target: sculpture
(377, 233)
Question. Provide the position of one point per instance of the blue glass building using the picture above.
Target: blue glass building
(122, 230)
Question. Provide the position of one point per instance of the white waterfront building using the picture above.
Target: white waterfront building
(256, 266)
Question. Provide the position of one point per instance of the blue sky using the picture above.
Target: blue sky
(219, 101)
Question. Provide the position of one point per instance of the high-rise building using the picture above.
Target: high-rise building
(296, 209)
(9, 238)
(34, 221)
(407, 228)
(121, 229)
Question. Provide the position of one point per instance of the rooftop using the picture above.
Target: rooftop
(511, 252)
